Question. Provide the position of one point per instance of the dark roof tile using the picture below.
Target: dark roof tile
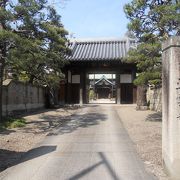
(100, 50)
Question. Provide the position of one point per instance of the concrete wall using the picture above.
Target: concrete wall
(171, 107)
(154, 98)
(19, 97)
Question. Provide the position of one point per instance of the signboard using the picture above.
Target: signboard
(125, 78)
(76, 79)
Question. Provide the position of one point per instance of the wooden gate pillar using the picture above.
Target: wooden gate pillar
(86, 89)
(68, 87)
(118, 89)
(81, 88)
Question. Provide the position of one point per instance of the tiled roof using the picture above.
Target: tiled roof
(100, 49)
(105, 79)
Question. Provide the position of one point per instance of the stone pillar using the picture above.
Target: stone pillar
(118, 89)
(171, 106)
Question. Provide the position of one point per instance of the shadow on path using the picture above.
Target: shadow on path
(72, 123)
(23, 156)
(65, 123)
(4, 131)
(156, 117)
(104, 162)
(42, 125)
(55, 125)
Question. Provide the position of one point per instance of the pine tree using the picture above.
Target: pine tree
(45, 49)
(158, 17)
(32, 41)
(6, 36)
(151, 21)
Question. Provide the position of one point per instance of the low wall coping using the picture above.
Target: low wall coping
(7, 82)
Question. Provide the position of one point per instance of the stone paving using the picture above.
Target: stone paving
(92, 145)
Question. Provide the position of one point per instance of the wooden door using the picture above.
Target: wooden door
(126, 93)
(75, 88)
(62, 94)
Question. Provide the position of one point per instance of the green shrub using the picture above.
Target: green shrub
(11, 122)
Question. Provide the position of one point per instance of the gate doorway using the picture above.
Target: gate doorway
(102, 88)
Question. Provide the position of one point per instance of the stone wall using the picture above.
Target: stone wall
(19, 97)
(154, 98)
(171, 106)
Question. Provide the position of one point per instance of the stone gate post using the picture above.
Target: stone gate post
(171, 106)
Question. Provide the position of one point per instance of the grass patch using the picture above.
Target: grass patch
(11, 122)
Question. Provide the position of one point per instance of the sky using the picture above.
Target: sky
(94, 18)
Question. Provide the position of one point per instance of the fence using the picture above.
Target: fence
(154, 98)
(19, 97)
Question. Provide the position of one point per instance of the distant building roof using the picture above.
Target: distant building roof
(103, 78)
(100, 49)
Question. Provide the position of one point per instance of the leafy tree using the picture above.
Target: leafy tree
(151, 21)
(32, 41)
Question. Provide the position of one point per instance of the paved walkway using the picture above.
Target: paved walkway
(92, 145)
(102, 101)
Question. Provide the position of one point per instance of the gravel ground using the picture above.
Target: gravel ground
(15, 142)
(145, 129)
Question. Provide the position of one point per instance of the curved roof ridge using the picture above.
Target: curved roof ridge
(101, 39)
